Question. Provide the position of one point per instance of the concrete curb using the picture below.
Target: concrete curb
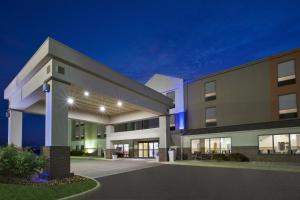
(88, 158)
(85, 192)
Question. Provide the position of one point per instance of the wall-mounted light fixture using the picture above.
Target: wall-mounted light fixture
(7, 114)
(46, 87)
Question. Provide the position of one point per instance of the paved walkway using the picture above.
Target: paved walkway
(203, 183)
(96, 168)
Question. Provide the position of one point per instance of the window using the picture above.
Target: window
(172, 122)
(101, 132)
(122, 149)
(295, 143)
(82, 134)
(137, 125)
(211, 145)
(210, 91)
(279, 144)
(171, 95)
(286, 73)
(210, 117)
(265, 144)
(195, 146)
(287, 106)
(215, 145)
(60, 70)
(225, 145)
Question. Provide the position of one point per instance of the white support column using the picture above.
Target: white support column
(164, 138)
(109, 129)
(56, 115)
(15, 122)
(56, 148)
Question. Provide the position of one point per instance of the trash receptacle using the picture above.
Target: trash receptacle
(171, 153)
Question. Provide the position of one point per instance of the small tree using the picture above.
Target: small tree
(15, 162)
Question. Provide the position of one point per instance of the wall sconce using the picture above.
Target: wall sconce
(7, 114)
(46, 87)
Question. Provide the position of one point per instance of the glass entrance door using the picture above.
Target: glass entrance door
(122, 149)
(148, 149)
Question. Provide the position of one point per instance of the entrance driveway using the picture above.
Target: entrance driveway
(96, 168)
(203, 183)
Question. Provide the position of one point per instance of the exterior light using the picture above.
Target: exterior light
(46, 87)
(7, 114)
(70, 101)
(102, 108)
(119, 103)
(86, 93)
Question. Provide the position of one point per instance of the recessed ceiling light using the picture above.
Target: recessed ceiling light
(102, 108)
(86, 93)
(70, 100)
(119, 103)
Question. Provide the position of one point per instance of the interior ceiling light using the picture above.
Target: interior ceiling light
(86, 93)
(119, 103)
(102, 108)
(70, 100)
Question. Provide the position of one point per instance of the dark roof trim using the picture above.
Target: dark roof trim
(244, 127)
(242, 66)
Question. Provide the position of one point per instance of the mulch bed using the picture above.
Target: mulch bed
(38, 182)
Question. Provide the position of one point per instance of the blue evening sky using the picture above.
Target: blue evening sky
(183, 38)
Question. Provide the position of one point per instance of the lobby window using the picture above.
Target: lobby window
(210, 117)
(211, 145)
(215, 145)
(265, 144)
(295, 143)
(195, 146)
(279, 144)
(210, 91)
(171, 95)
(286, 73)
(225, 145)
(287, 106)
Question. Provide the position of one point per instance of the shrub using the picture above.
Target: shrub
(185, 156)
(18, 163)
(77, 153)
(220, 157)
(238, 157)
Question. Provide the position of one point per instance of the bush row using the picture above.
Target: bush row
(238, 157)
(16, 162)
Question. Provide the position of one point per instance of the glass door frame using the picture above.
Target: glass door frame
(147, 151)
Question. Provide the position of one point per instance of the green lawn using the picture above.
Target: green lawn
(25, 192)
(273, 166)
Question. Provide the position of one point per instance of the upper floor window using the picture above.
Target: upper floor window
(210, 91)
(172, 122)
(171, 95)
(137, 125)
(287, 106)
(210, 116)
(286, 73)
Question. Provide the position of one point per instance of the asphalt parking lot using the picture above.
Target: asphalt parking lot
(201, 183)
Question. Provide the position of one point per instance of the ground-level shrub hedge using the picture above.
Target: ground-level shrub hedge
(76, 153)
(237, 157)
(15, 162)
